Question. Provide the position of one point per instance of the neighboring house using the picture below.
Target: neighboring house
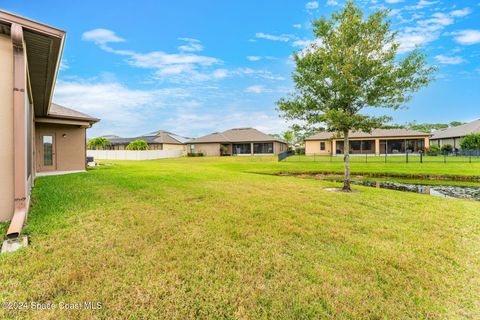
(36, 135)
(454, 135)
(380, 141)
(237, 142)
(158, 140)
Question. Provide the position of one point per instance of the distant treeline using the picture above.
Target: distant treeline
(423, 127)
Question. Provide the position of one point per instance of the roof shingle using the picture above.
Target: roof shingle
(236, 135)
(458, 131)
(58, 111)
(159, 136)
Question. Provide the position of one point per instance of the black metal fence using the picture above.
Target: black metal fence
(462, 156)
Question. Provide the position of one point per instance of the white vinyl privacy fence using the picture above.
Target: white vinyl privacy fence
(133, 154)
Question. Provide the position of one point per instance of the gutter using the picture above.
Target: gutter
(19, 131)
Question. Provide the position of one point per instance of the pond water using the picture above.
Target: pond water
(445, 191)
(471, 192)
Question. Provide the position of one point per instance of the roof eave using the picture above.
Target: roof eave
(91, 120)
(57, 38)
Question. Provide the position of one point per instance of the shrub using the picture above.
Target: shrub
(471, 141)
(447, 148)
(195, 154)
(300, 151)
(138, 145)
(433, 150)
(98, 143)
(223, 150)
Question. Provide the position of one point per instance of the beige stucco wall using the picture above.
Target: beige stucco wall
(167, 146)
(279, 147)
(69, 150)
(208, 149)
(6, 128)
(313, 147)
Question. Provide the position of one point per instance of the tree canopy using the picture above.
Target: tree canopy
(423, 127)
(98, 143)
(471, 141)
(351, 65)
(138, 145)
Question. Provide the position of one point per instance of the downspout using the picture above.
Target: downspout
(19, 132)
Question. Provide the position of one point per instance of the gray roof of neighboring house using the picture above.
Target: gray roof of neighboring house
(58, 111)
(458, 131)
(376, 133)
(236, 135)
(159, 136)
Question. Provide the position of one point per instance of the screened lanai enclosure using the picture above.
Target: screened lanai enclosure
(401, 146)
(387, 146)
(258, 148)
(358, 147)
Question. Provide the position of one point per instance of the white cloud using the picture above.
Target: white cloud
(467, 37)
(184, 66)
(306, 46)
(332, 2)
(64, 65)
(301, 43)
(312, 5)
(297, 26)
(256, 89)
(449, 60)
(282, 37)
(411, 41)
(394, 1)
(263, 74)
(192, 45)
(258, 58)
(254, 58)
(424, 31)
(421, 4)
(220, 73)
(160, 59)
(436, 22)
(122, 110)
(207, 122)
(101, 36)
(461, 13)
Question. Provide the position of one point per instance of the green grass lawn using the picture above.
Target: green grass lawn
(397, 167)
(387, 159)
(208, 238)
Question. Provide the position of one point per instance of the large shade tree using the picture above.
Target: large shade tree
(352, 64)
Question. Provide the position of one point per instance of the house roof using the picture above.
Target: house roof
(43, 45)
(458, 131)
(376, 133)
(61, 112)
(159, 136)
(236, 135)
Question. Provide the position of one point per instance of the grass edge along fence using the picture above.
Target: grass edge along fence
(464, 156)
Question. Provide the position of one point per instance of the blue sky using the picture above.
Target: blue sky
(194, 67)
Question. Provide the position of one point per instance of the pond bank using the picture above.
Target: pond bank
(439, 188)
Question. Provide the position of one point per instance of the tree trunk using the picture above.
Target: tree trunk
(346, 162)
